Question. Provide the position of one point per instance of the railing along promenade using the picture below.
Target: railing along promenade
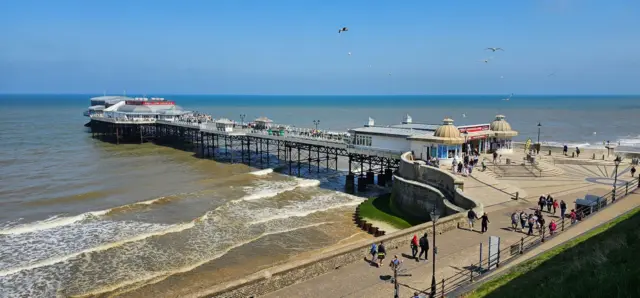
(457, 282)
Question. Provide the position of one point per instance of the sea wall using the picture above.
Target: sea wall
(278, 277)
(417, 187)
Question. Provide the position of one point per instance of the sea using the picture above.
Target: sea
(84, 218)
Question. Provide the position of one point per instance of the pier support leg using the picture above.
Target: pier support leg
(388, 173)
(318, 160)
(202, 142)
(381, 179)
(290, 159)
(350, 182)
(362, 183)
(370, 177)
(298, 161)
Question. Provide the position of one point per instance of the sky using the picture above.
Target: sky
(293, 47)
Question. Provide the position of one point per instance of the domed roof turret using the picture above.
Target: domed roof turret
(499, 124)
(502, 128)
(447, 130)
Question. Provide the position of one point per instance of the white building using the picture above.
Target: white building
(263, 123)
(225, 125)
(443, 142)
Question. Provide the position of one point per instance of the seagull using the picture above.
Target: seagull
(349, 53)
(389, 74)
(464, 115)
(508, 98)
(343, 29)
(552, 74)
(495, 49)
(485, 60)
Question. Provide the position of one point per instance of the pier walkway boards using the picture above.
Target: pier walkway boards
(293, 149)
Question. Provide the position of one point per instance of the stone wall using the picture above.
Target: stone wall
(278, 277)
(418, 186)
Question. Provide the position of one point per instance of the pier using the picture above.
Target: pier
(290, 149)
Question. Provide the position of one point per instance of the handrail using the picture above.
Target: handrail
(477, 270)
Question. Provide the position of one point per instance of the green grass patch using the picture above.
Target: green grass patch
(603, 262)
(381, 209)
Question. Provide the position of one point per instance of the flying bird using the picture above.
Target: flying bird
(349, 53)
(508, 98)
(343, 29)
(495, 49)
(552, 74)
(464, 115)
(485, 60)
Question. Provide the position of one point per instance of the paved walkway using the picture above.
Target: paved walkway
(456, 249)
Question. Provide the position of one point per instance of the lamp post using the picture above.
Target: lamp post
(316, 122)
(617, 162)
(465, 134)
(434, 218)
(539, 125)
(242, 119)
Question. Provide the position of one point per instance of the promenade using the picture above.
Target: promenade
(456, 250)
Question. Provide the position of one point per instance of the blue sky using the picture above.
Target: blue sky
(293, 47)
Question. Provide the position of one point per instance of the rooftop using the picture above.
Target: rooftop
(417, 126)
(379, 130)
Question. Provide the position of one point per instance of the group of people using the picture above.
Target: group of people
(484, 220)
(535, 220)
(196, 117)
(565, 150)
(465, 167)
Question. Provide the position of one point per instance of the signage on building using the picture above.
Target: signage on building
(150, 103)
(474, 128)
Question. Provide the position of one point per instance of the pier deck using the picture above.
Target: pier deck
(295, 149)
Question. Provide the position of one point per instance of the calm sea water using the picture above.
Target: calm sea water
(78, 216)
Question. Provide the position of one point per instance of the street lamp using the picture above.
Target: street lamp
(434, 218)
(242, 119)
(539, 125)
(617, 162)
(465, 134)
(316, 122)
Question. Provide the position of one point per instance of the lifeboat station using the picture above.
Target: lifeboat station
(442, 142)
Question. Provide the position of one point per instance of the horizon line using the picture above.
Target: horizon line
(320, 95)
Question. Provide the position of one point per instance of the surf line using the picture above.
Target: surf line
(160, 276)
(60, 259)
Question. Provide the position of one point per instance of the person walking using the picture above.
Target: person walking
(563, 209)
(424, 247)
(515, 217)
(471, 216)
(485, 222)
(531, 223)
(549, 203)
(633, 171)
(373, 251)
(552, 227)
(541, 202)
(565, 149)
(555, 205)
(382, 253)
(523, 220)
(414, 246)
(573, 216)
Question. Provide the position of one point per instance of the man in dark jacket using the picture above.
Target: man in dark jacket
(424, 247)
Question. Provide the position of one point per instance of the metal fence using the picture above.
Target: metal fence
(514, 250)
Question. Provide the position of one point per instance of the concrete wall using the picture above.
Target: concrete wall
(278, 277)
(418, 186)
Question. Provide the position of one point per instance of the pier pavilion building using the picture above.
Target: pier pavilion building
(143, 109)
(443, 142)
